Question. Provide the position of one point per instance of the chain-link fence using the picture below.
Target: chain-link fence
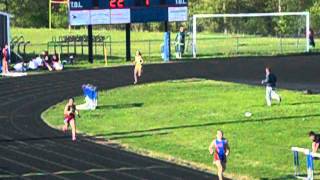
(239, 35)
(208, 46)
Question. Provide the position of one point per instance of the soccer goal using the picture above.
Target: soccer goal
(250, 34)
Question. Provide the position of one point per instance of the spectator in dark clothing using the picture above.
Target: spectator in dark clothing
(180, 43)
(270, 83)
(311, 38)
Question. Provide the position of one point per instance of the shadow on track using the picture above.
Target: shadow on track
(121, 106)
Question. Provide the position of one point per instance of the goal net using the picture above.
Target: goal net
(250, 34)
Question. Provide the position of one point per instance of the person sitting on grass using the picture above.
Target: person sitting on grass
(315, 141)
(47, 61)
(21, 67)
(35, 63)
(220, 150)
(56, 63)
(70, 112)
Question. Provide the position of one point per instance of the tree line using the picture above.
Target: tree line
(34, 13)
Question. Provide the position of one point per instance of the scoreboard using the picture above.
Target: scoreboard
(92, 12)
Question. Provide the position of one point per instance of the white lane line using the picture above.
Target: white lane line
(28, 166)
(47, 161)
(136, 156)
(12, 120)
(29, 133)
(110, 159)
(62, 155)
(10, 174)
(31, 174)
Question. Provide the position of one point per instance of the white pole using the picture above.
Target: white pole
(8, 32)
(279, 5)
(307, 31)
(194, 36)
(252, 14)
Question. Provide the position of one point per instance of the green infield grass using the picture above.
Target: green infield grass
(177, 120)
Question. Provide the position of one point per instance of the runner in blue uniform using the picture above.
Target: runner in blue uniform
(219, 148)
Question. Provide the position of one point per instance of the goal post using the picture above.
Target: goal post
(276, 14)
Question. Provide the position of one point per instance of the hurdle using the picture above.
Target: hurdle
(90, 93)
(309, 158)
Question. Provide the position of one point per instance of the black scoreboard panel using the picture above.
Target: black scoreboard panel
(118, 4)
(127, 11)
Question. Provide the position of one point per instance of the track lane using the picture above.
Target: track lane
(28, 145)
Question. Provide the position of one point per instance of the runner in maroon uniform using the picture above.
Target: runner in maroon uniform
(70, 112)
(5, 59)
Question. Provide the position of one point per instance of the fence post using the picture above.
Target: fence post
(105, 56)
(82, 46)
(237, 45)
(75, 47)
(95, 44)
(61, 47)
(68, 45)
(110, 48)
(48, 47)
(55, 47)
(149, 49)
(281, 50)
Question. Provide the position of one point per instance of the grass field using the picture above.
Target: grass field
(208, 44)
(179, 119)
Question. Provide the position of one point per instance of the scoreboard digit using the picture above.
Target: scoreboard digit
(143, 3)
(116, 4)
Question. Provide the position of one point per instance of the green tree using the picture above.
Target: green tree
(34, 13)
(315, 15)
(59, 16)
(29, 13)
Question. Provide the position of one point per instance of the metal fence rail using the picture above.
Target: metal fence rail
(208, 47)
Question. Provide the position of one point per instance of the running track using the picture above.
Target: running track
(29, 149)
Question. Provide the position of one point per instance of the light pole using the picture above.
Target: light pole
(7, 8)
(279, 5)
(224, 19)
(50, 19)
